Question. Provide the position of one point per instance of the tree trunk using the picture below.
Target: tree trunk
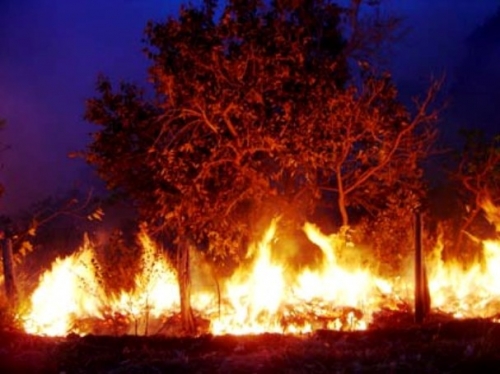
(8, 271)
(343, 211)
(342, 200)
(184, 278)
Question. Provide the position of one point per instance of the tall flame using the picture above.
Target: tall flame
(155, 287)
(254, 296)
(67, 292)
(270, 298)
(70, 292)
(471, 292)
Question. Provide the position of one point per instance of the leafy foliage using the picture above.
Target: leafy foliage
(223, 139)
(55, 223)
(390, 232)
(479, 168)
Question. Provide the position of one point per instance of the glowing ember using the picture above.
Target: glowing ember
(267, 295)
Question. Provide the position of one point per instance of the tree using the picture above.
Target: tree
(253, 114)
(213, 147)
(478, 174)
(373, 145)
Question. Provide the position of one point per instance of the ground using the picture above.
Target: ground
(437, 346)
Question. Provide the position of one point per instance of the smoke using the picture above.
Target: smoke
(437, 45)
(437, 32)
(50, 54)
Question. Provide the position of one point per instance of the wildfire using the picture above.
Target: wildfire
(266, 295)
(472, 292)
(254, 296)
(156, 286)
(67, 292)
(70, 293)
(268, 298)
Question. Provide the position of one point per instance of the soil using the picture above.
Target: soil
(393, 345)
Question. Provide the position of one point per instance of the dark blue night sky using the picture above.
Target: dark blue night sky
(52, 50)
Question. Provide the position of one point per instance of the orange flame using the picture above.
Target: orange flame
(68, 291)
(472, 292)
(155, 288)
(268, 295)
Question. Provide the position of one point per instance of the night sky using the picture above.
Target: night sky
(52, 50)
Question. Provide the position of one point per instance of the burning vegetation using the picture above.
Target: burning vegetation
(268, 293)
(277, 176)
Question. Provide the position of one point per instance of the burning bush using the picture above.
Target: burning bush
(116, 261)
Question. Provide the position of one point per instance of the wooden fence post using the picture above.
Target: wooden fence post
(422, 295)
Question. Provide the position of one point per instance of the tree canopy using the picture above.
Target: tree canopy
(235, 99)
(258, 104)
